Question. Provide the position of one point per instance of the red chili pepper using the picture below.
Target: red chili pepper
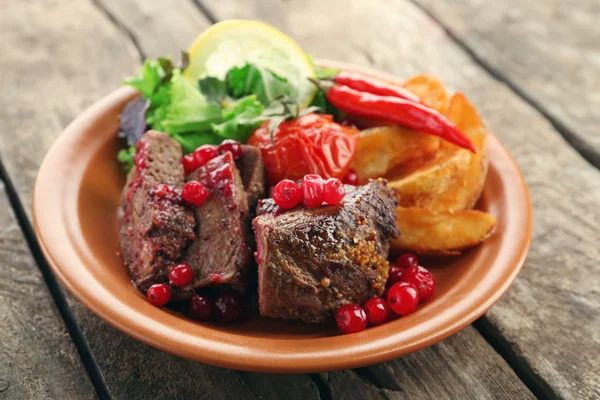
(364, 83)
(400, 111)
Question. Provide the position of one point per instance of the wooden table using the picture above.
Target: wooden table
(531, 67)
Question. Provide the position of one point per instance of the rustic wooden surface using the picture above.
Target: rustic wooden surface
(53, 66)
(37, 358)
(547, 49)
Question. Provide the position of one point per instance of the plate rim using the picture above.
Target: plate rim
(247, 358)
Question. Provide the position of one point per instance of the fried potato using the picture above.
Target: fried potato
(453, 179)
(430, 90)
(383, 148)
(429, 232)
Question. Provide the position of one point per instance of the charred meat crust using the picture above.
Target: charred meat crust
(220, 254)
(155, 229)
(312, 261)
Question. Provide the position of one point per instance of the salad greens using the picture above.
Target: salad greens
(211, 110)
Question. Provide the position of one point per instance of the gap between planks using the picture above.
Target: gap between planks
(53, 287)
(588, 154)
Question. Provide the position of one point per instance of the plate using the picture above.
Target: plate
(75, 215)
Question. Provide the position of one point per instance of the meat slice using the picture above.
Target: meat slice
(220, 254)
(253, 175)
(313, 261)
(155, 227)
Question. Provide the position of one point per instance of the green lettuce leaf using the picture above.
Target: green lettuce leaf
(181, 108)
(150, 76)
(214, 89)
(190, 141)
(241, 119)
(250, 79)
(125, 157)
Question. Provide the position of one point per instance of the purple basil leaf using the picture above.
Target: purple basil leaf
(133, 121)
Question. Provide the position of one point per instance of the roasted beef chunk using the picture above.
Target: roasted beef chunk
(220, 254)
(312, 261)
(156, 227)
(253, 175)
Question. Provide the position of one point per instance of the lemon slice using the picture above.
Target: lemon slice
(233, 43)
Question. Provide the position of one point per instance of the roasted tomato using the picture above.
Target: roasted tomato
(311, 144)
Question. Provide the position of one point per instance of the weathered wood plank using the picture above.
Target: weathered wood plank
(53, 67)
(551, 316)
(37, 358)
(549, 49)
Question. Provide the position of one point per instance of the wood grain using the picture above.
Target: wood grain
(132, 369)
(549, 49)
(37, 358)
(550, 318)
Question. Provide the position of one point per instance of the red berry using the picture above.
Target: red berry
(230, 145)
(333, 191)
(422, 279)
(189, 163)
(287, 194)
(194, 193)
(351, 177)
(407, 260)
(351, 318)
(312, 191)
(377, 310)
(204, 154)
(394, 274)
(159, 294)
(201, 308)
(403, 298)
(181, 275)
(229, 306)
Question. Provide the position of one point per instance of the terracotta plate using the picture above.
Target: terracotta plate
(75, 207)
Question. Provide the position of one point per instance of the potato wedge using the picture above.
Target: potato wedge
(429, 232)
(454, 178)
(430, 90)
(383, 148)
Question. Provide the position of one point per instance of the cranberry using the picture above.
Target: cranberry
(351, 177)
(394, 275)
(312, 191)
(194, 193)
(181, 275)
(377, 310)
(229, 306)
(422, 279)
(333, 191)
(140, 161)
(407, 260)
(232, 146)
(204, 154)
(403, 298)
(189, 163)
(351, 318)
(159, 294)
(287, 194)
(201, 308)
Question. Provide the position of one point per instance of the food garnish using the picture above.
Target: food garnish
(403, 298)
(377, 311)
(311, 144)
(367, 84)
(351, 318)
(398, 110)
(181, 275)
(159, 294)
(287, 194)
